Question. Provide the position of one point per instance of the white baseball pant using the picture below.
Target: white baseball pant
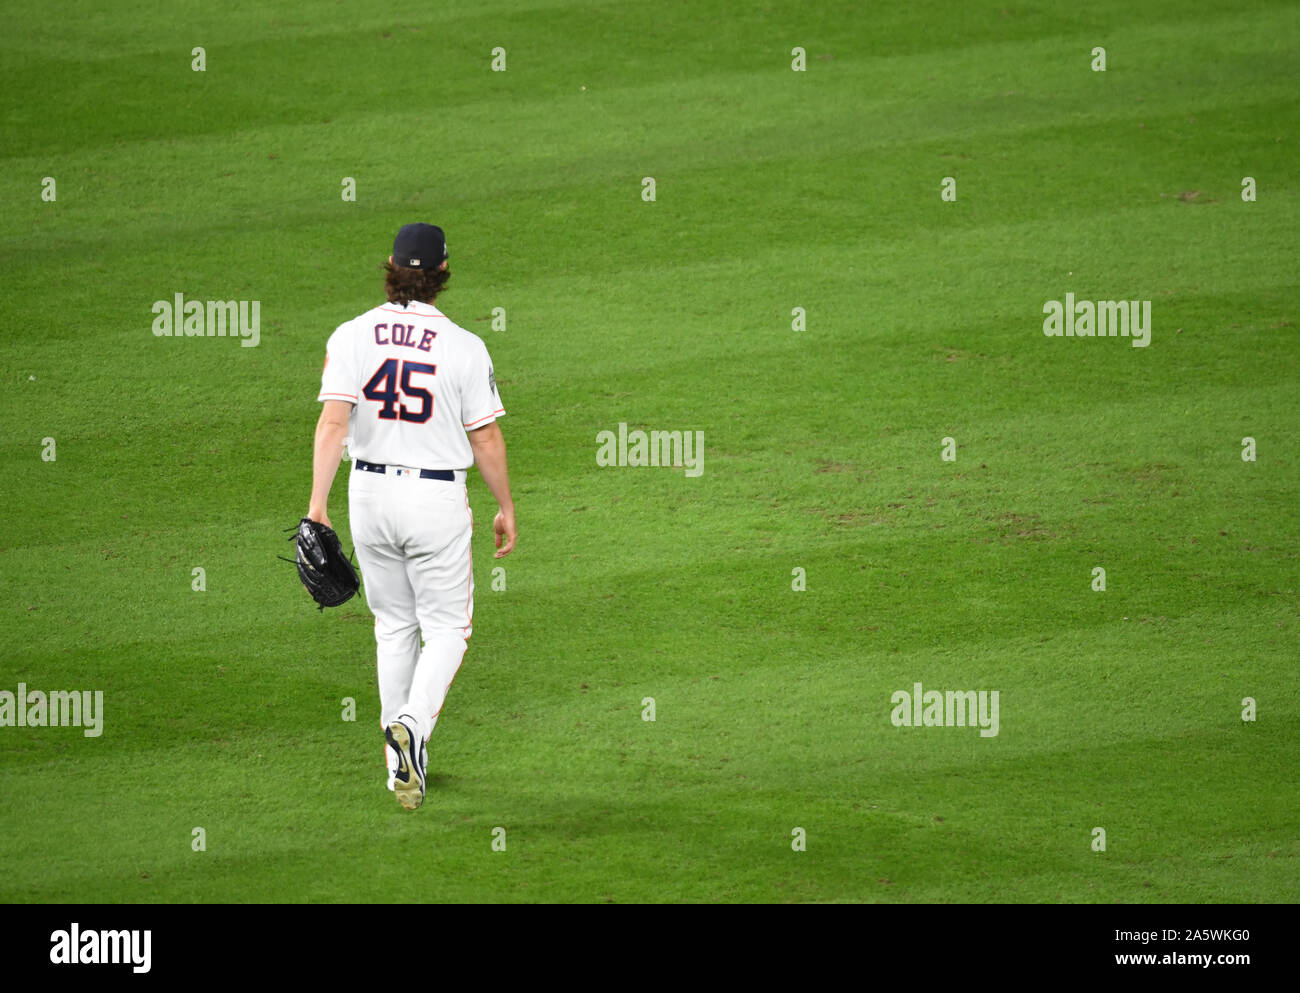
(412, 538)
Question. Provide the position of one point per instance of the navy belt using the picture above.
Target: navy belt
(445, 474)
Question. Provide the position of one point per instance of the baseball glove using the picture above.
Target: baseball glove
(323, 568)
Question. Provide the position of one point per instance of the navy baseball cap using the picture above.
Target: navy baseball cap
(420, 246)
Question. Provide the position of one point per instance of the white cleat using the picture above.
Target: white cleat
(408, 781)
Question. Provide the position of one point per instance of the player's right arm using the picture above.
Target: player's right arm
(490, 456)
(338, 395)
(331, 430)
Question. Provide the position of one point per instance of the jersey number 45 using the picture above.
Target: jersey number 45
(383, 388)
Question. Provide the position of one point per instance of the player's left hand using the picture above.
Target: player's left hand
(504, 527)
(318, 515)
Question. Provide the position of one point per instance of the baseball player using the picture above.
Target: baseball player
(414, 397)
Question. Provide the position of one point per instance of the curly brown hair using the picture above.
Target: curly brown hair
(404, 285)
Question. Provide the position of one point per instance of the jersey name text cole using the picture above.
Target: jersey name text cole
(403, 334)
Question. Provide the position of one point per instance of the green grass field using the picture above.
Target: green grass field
(775, 189)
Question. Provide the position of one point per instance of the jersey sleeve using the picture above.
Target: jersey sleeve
(338, 380)
(480, 403)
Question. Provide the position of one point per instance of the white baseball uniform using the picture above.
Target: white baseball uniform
(418, 383)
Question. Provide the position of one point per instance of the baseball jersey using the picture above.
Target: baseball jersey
(418, 382)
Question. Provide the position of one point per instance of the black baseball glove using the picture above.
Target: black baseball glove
(323, 568)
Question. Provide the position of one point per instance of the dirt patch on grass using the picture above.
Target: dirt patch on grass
(1014, 526)
(829, 465)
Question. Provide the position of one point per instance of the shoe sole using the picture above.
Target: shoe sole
(409, 795)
